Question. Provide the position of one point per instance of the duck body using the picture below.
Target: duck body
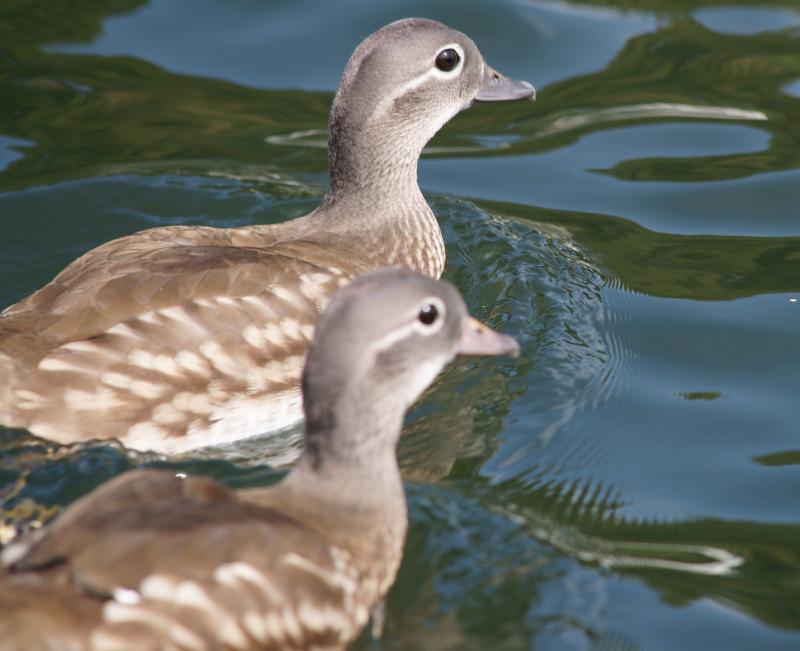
(180, 337)
(155, 561)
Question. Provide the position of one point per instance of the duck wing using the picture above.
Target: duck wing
(170, 350)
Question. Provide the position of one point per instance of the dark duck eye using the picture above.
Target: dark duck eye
(447, 59)
(428, 314)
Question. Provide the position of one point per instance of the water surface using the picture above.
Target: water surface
(630, 481)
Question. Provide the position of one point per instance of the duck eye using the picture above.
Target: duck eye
(428, 314)
(447, 59)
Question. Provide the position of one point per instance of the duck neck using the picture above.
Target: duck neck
(363, 476)
(373, 178)
(359, 502)
(350, 445)
(342, 448)
(358, 488)
(371, 156)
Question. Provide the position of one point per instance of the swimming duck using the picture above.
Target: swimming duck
(181, 337)
(151, 560)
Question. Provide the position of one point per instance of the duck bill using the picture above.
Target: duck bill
(479, 339)
(499, 88)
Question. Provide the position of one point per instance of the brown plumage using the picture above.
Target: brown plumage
(244, 571)
(179, 337)
(154, 561)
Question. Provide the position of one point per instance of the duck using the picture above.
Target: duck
(182, 337)
(154, 560)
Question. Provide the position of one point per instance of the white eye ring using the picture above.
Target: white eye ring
(456, 70)
(430, 316)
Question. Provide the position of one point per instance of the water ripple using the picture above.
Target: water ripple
(548, 291)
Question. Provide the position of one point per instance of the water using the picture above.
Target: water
(630, 482)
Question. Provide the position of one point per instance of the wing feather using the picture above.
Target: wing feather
(159, 347)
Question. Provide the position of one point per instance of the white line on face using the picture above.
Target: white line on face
(432, 72)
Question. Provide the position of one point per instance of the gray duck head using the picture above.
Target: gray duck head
(380, 342)
(401, 85)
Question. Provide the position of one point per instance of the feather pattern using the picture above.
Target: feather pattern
(179, 337)
(153, 560)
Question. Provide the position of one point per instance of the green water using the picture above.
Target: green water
(632, 480)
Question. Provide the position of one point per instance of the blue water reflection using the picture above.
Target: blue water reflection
(629, 482)
(792, 88)
(747, 20)
(10, 150)
(281, 45)
(573, 178)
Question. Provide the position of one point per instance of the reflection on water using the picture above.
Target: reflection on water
(712, 561)
(494, 577)
(792, 88)
(628, 482)
(707, 267)
(10, 150)
(747, 20)
(644, 111)
(700, 395)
